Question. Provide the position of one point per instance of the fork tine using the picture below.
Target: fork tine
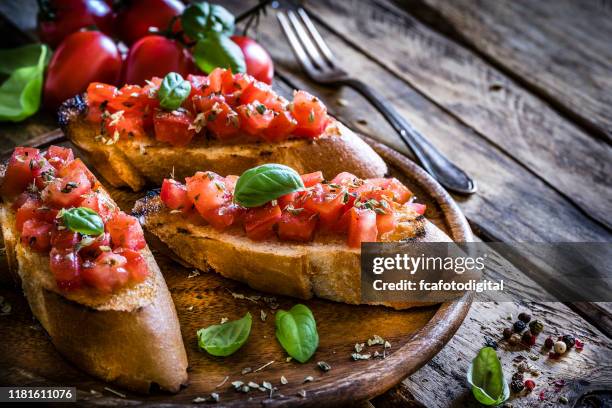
(327, 53)
(303, 36)
(296, 46)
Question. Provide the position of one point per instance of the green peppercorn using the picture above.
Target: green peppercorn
(536, 327)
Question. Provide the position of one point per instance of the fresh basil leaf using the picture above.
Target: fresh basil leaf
(20, 94)
(83, 220)
(173, 91)
(201, 18)
(296, 330)
(218, 50)
(224, 339)
(486, 377)
(265, 183)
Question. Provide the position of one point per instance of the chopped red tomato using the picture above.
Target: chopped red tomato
(224, 216)
(362, 227)
(174, 195)
(257, 91)
(401, 193)
(36, 234)
(385, 222)
(297, 225)
(59, 156)
(100, 203)
(93, 246)
(18, 172)
(98, 93)
(230, 183)
(26, 211)
(65, 264)
(106, 273)
(311, 179)
(310, 113)
(64, 239)
(136, 265)
(77, 166)
(42, 171)
(125, 231)
(174, 127)
(220, 80)
(344, 179)
(220, 119)
(327, 204)
(255, 117)
(67, 191)
(418, 208)
(280, 128)
(259, 222)
(207, 191)
(285, 200)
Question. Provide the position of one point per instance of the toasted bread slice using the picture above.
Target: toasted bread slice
(326, 268)
(135, 163)
(131, 337)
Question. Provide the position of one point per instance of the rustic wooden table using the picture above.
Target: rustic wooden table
(518, 93)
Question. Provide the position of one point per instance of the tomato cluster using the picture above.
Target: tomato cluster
(362, 210)
(223, 104)
(40, 186)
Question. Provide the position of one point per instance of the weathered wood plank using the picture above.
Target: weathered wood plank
(524, 126)
(561, 48)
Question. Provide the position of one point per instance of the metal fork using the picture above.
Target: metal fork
(321, 66)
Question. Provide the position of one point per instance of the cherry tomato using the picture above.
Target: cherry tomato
(155, 56)
(258, 61)
(173, 127)
(362, 227)
(125, 231)
(59, 18)
(174, 195)
(298, 226)
(83, 57)
(137, 16)
(65, 264)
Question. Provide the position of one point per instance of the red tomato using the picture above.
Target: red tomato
(310, 113)
(135, 18)
(94, 248)
(362, 227)
(174, 195)
(385, 222)
(37, 235)
(18, 173)
(42, 171)
(257, 91)
(33, 209)
(418, 208)
(106, 273)
(259, 222)
(328, 205)
(258, 61)
(75, 167)
(311, 179)
(125, 231)
(221, 120)
(136, 265)
(66, 268)
(297, 226)
(83, 57)
(285, 200)
(344, 178)
(100, 203)
(280, 128)
(254, 117)
(59, 156)
(155, 56)
(66, 191)
(224, 216)
(230, 183)
(173, 127)
(206, 191)
(401, 193)
(59, 18)
(64, 239)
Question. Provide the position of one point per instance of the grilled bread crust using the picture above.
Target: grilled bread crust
(136, 163)
(326, 268)
(131, 337)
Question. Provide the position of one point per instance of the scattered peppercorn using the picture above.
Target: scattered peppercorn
(563, 399)
(569, 340)
(518, 376)
(560, 347)
(524, 317)
(519, 326)
(517, 386)
(579, 345)
(529, 385)
(514, 339)
(528, 339)
(489, 342)
(536, 327)
(507, 333)
(549, 343)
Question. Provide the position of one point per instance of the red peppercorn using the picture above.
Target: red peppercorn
(530, 385)
(528, 339)
(579, 345)
(549, 343)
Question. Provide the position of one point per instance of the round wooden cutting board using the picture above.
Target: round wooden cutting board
(28, 358)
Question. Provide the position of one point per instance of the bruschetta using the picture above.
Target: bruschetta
(227, 124)
(303, 244)
(88, 275)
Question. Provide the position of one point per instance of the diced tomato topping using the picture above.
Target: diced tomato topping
(259, 222)
(401, 193)
(297, 225)
(310, 113)
(64, 239)
(325, 203)
(362, 227)
(100, 203)
(67, 191)
(106, 273)
(220, 80)
(174, 195)
(173, 127)
(136, 265)
(224, 216)
(280, 128)
(36, 234)
(417, 207)
(311, 179)
(125, 231)
(96, 245)
(65, 264)
(18, 172)
(98, 93)
(42, 171)
(385, 222)
(26, 211)
(257, 91)
(230, 183)
(285, 200)
(220, 119)
(77, 166)
(206, 190)
(345, 178)
(255, 117)
(59, 156)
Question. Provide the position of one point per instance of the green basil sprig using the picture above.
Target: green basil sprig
(486, 377)
(224, 339)
(173, 91)
(296, 330)
(211, 26)
(265, 183)
(20, 94)
(83, 220)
